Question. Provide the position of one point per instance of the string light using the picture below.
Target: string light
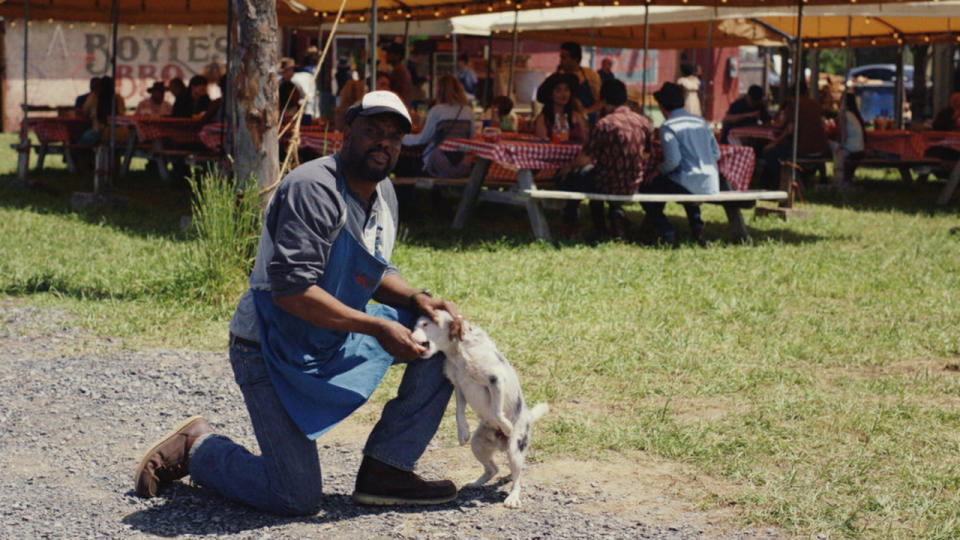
(489, 7)
(70, 25)
(547, 3)
(463, 11)
(133, 27)
(362, 18)
(399, 11)
(508, 2)
(316, 14)
(50, 20)
(436, 12)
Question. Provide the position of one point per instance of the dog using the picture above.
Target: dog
(483, 378)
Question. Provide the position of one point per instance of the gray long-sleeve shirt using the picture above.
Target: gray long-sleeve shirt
(304, 218)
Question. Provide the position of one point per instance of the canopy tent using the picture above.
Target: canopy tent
(873, 25)
(310, 12)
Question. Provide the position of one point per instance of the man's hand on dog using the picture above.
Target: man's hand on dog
(397, 340)
(429, 306)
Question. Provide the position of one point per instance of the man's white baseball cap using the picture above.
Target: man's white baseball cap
(379, 102)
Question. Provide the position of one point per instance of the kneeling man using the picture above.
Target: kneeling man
(306, 347)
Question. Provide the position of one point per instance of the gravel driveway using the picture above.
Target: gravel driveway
(76, 411)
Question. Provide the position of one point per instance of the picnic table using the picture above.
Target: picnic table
(151, 136)
(524, 156)
(56, 134)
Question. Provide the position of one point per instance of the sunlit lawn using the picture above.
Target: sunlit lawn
(814, 370)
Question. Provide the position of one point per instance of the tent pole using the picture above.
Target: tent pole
(23, 162)
(707, 95)
(453, 38)
(489, 86)
(513, 54)
(798, 79)
(838, 158)
(593, 51)
(227, 89)
(643, 66)
(765, 77)
(373, 45)
(113, 101)
(898, 88)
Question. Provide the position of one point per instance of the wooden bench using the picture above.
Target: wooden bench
(732, 201)
(429, 182)
(44, 149)
(903, 166)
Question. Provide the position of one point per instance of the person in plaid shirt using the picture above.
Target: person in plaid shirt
(618, 146)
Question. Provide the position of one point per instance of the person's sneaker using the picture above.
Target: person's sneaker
(383, 485)
(167, 459)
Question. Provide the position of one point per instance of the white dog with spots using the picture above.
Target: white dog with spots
(483, 378)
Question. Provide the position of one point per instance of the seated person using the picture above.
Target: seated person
(451, 105)
(155, 105)
(351, 92)
(501, 112)
(946, 120)
(618, 147)
(811, 138)
(288, 92)
(82, 98)
(562, 119)
(690, 154)
(749, 110)
(194, 101)
(214, 112)
(465, 74)
(852, 144)
(97, 108)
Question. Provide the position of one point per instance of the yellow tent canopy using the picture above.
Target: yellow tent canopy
(314, 12)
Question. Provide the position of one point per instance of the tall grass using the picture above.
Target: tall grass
(225, 226)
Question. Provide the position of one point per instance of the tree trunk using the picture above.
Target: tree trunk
(255, 86)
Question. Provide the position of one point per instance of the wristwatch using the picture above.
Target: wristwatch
(413, 297)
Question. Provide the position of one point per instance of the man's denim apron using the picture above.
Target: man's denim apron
(323, 375)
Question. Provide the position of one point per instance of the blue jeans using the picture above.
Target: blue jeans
(654, 210)
(285, 478)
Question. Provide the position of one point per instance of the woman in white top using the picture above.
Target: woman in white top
(852, 144)
(691, 88)
(451, 105)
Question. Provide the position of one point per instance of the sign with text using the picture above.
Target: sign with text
(62, 58)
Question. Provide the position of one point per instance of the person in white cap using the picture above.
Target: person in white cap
(307, 349)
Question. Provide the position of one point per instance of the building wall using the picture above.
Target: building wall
(62, 57)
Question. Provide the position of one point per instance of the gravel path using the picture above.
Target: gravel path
(76, 411)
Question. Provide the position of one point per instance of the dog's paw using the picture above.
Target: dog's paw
(512, 501)
(506, 427)
(463, 435)
(484, 478)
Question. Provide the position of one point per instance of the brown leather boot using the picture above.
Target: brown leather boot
(381, 484)
(167, 459)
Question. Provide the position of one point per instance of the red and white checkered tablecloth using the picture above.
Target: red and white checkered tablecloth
(735, 164)
(58, 129)
(516, 153)
(326, 145)
(738, 134)
(212, 136)
(178, 130)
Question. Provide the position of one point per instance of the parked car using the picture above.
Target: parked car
(882, 72)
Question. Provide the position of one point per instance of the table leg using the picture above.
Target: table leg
(128, 155)
(537, 220)
(905, 175)
(41, 156)
(951, 185)
(471, 193)
(161, 161)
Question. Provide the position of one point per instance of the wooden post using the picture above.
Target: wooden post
(23, 159)
(254, 82)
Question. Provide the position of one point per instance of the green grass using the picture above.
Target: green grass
(814, 371)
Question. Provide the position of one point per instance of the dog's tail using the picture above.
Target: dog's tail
(537, 411)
